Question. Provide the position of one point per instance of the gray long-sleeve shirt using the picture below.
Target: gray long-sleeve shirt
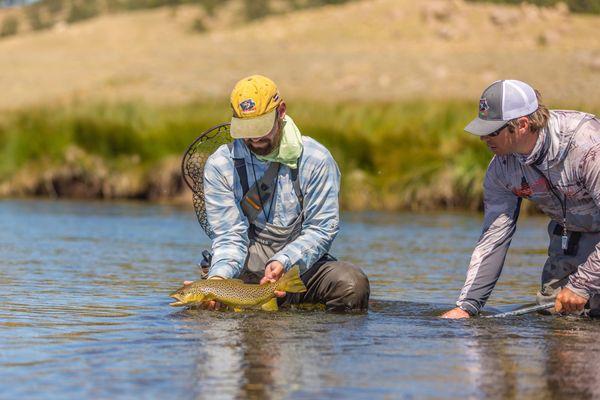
(567, 153)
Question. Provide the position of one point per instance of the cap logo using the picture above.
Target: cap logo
(483, 107)
(248, 106)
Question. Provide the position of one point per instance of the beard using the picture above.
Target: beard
(264, 146)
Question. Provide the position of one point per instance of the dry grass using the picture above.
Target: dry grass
(369, 50)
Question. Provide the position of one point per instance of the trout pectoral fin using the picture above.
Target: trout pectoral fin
(270, 305)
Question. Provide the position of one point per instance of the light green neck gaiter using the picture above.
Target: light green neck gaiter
(290, 146)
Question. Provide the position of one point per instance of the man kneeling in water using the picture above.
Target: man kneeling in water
(553, 159)
(271, 200)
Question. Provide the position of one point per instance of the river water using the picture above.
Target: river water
(84, 314)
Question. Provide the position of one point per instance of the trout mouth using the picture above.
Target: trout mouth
(176, 303)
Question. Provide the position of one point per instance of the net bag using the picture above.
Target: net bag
(192, 168)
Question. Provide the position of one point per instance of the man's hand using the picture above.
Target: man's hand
(568, 301)
(207, 305)
(456, 313)
(273, 272)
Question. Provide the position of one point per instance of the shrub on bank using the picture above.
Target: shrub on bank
(412, 155)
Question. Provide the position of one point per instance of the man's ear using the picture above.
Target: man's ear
(524, 124)
(281, 110)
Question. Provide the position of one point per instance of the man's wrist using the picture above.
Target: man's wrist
(283, 259)
(581, 292)
(469, 309)
(223, 270)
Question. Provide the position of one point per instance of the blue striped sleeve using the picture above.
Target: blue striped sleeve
(230, 227)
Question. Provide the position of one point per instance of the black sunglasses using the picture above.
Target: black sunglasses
(497, 131)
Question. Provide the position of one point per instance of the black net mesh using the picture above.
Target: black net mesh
(192, 167)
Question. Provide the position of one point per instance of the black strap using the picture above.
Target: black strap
(240, 168)
(242, 173)
(261, 193)
(296, 185)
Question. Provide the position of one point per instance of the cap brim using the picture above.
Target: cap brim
(482, 127)
(248, 128)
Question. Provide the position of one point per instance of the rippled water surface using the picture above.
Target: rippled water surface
(84, 314)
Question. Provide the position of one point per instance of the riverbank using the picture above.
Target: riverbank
(369, 50)
(393, 156)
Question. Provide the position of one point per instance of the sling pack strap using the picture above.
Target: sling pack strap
(261, 193)
(296, 185)
(240, 168)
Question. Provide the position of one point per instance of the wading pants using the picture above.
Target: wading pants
(559, 265)
(338, 285)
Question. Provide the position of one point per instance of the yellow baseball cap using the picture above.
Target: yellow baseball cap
(254, 101)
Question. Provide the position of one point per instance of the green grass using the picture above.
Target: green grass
(412, 155)
(107, 131)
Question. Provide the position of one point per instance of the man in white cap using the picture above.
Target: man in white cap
(271, 200)
(553, 159)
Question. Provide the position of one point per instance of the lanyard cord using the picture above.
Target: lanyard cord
(267, 215)
(563, 204)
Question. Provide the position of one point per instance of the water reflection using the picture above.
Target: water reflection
(572, 355)
(533, 356)
(84, 314)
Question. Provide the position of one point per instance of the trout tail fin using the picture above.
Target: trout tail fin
(291, 282)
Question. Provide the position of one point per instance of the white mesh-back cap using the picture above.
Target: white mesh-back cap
(518, 100)
(501, 102)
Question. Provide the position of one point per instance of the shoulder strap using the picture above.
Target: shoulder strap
(296, 185)
(251, 201)
(260, 193)
(296, 182)
(240, 169)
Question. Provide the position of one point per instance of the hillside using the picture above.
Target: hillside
(371, 50)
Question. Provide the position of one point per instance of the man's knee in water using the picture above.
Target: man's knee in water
(352, 287)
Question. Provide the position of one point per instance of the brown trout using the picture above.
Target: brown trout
(237, 294)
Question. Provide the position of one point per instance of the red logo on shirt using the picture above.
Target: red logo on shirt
(526, 190)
